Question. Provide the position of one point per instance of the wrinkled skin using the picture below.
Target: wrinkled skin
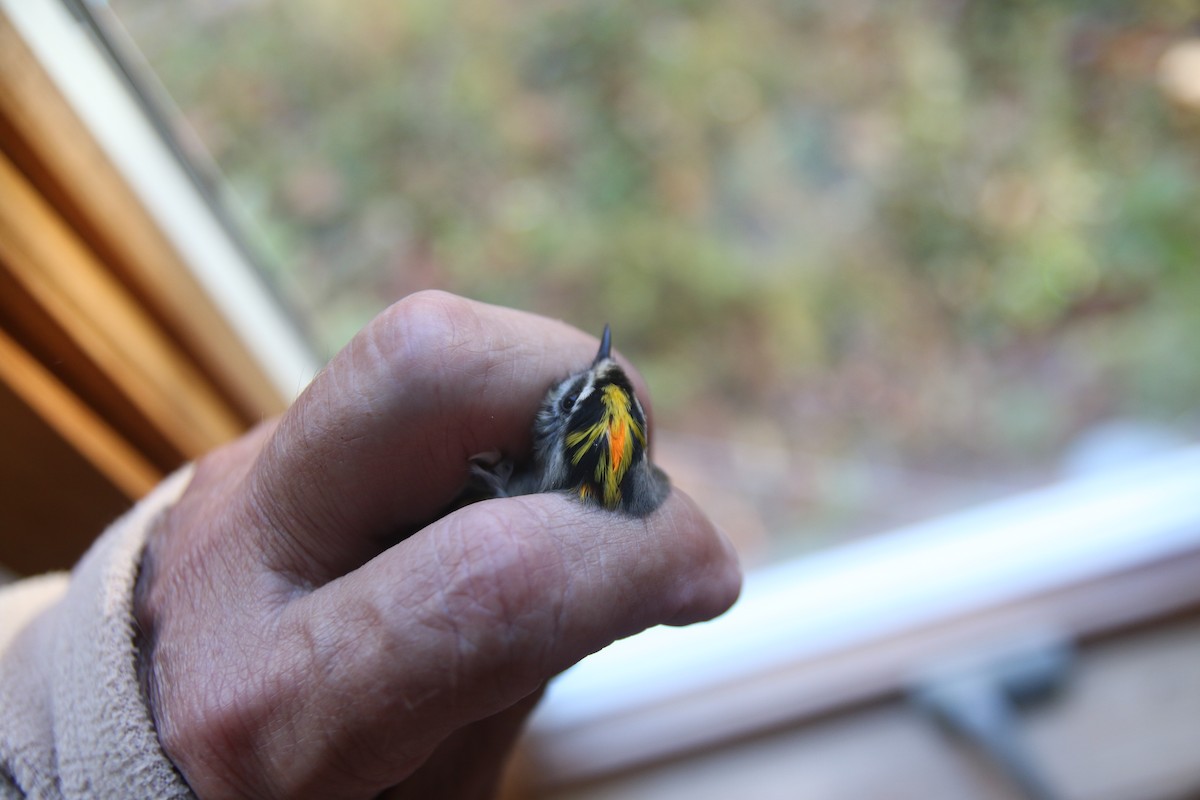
(296, 643)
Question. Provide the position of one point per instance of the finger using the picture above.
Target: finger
(459, 624)
(380, 441)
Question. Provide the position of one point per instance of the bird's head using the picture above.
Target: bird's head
(590, 433)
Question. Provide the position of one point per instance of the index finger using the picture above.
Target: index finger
(380, 441)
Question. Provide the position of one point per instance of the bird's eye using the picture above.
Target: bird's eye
(568, 401)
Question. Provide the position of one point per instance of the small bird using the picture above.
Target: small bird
(589, 438)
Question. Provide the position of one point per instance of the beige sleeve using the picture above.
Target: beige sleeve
(73, 722)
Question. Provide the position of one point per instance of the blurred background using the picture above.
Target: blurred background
(877, 260)
(914, 285)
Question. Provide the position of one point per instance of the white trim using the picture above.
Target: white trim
(102, 101)
(915, 576)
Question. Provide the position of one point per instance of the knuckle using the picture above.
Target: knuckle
(216, 737)
(488, 577)
(501, 589)
(429, 338)
(425, 323)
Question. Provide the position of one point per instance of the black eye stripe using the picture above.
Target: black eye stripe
(572, 395)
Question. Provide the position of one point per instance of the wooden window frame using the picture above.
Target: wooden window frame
(132, 321)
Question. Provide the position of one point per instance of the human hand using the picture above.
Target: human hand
(310, 628)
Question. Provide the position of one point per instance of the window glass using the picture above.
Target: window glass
(878, 259)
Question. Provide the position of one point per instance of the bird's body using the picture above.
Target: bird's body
(589, 438)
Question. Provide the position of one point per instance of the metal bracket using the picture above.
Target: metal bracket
(979, 699)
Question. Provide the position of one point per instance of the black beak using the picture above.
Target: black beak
(605, 346)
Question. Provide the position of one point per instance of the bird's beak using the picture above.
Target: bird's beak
(605, 346)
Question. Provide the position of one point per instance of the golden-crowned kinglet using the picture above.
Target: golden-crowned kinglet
(589, 438)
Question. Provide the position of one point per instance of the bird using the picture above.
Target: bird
(590, 439)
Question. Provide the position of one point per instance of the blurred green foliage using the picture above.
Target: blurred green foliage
(952, 231)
